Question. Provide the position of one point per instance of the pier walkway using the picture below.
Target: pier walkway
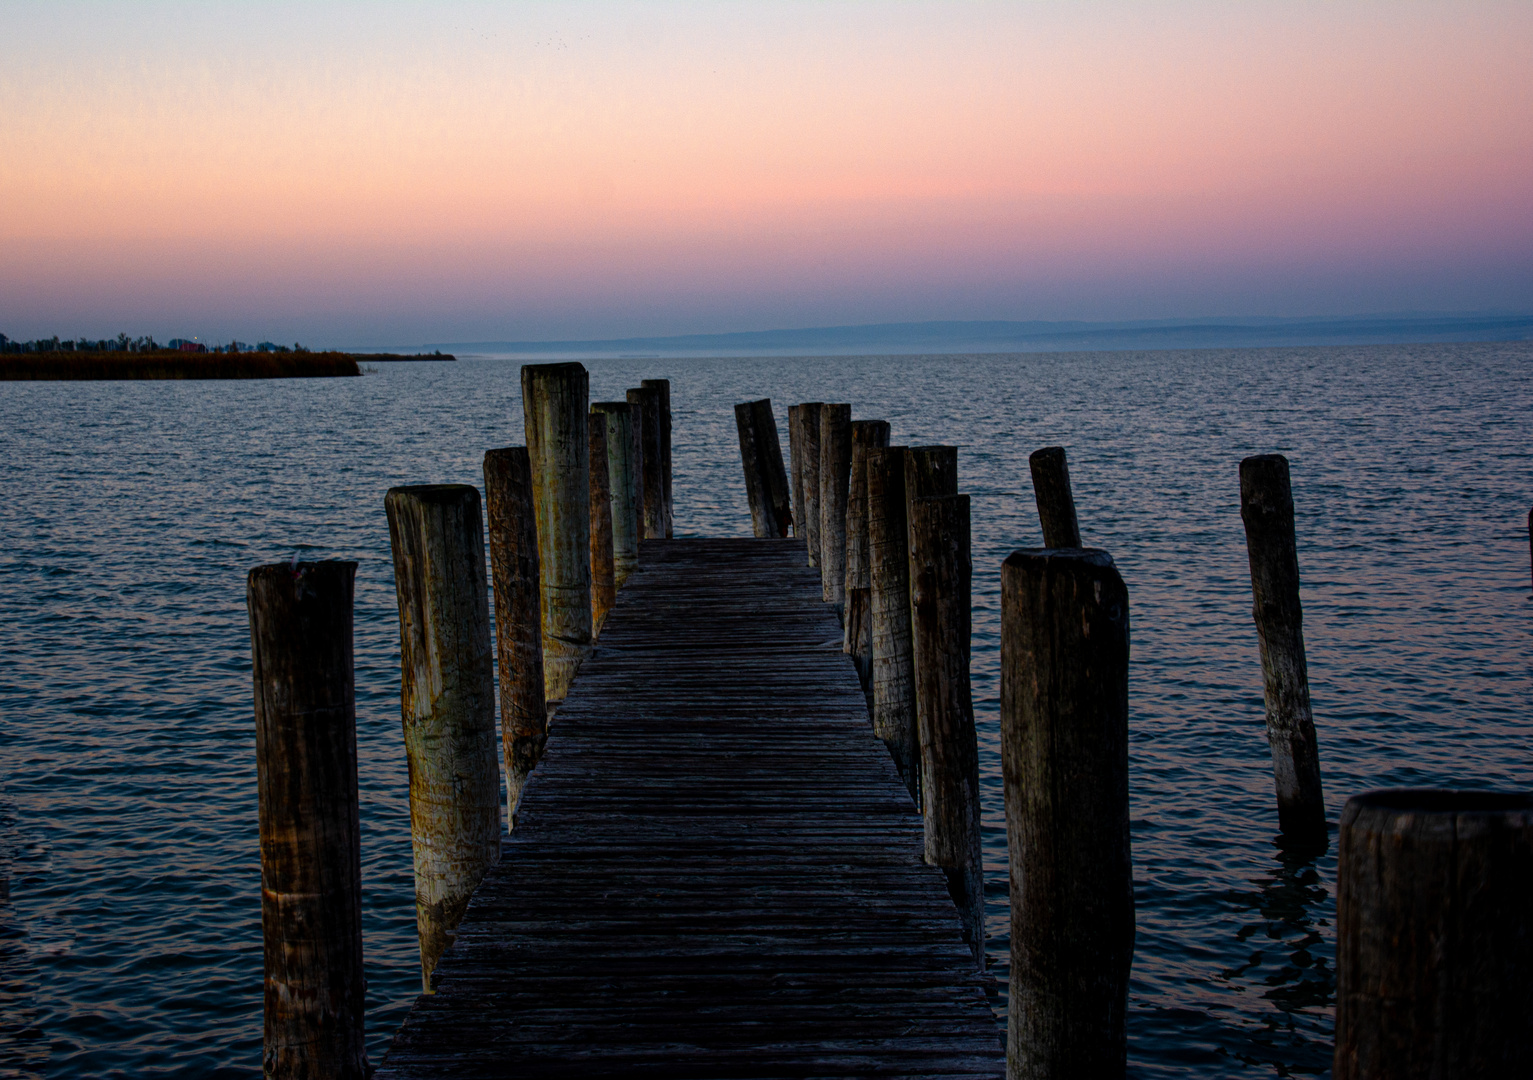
(716, 870)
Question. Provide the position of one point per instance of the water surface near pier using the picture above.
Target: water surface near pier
(130, 940)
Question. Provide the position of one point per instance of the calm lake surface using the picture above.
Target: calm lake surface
(130, 936)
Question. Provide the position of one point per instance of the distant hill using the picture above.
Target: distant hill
(951, 337)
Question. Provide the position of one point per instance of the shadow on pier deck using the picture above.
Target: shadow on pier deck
(716, 870)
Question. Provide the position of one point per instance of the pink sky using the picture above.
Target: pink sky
(394, 174)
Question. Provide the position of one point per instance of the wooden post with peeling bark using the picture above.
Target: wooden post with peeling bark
(809, 440)
(1064, 762)
(311, 855)
(1266, 507)
(894, 702)
(1056, 503)
(1434, 936)
(857, 638)
(556, 404)
(939, 589)
(646, 402)
(663, 388)
(513, 531)
(603, 572)
(447, 702)
(835, 482)
(624, 479)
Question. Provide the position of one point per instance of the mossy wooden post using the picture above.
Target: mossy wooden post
(603, 572)
(311, 856)
(518, 615)
(857, 640)
(835, 480)
(1266, 507)
(939, 589)
(796, 469)
(627, 521)
(1056, 503)
(556, 403)
(809, 417)
(646, 401)
(447, 702)
(1064, 762)
(894, 702)
(663, 388)
(1434, 936)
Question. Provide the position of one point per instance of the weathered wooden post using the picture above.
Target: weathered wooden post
(835, 481)
(894, 702)
(555, 400)
(627, 519)
(930, 472)
(1064, 759)
(603, 572)
(809, 418)
(796, 469)
(447, 702)
(311, 856)
(518, 615)
(766, 484)
(1434, 936)
(1266, 507)
(939, 588)
(1056, 503)
(646, 400)
(858, 637)
(663, 388)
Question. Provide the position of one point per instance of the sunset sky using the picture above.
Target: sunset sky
(394, 173)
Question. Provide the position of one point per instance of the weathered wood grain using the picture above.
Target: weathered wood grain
(623, 480)
(835, 482)
(894, 693)
(603, 568)
(1434, 936)
(1266, 507)
(809, 440)
(662, 387)
(796, 470)
(446, 701)
(716, 870)
(1056, 502)
(766, 483)
(311, 855)
(857, 638)
(646, 402)
(513, 532)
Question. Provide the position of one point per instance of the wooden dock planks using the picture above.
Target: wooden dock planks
(716, 870)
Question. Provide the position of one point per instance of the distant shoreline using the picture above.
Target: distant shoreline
(175, 364)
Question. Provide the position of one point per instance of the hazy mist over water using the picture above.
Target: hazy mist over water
(130, 940)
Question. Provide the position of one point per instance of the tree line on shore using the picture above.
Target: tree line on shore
(124, 343)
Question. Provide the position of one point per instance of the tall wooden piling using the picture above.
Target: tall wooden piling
(1434, 936)
(556, 402)
(894, 702)
(518, 615)
(1266, 507)
(939, 588)
(663, 388)
(623, 480)
(835, 482)
(766, 483)
(447, 702)
(857, 639)
(796, 469)
(603, 572)
(1056, 503)
(809, 418)
(1064, 759)
(311, 856)
(646, 400)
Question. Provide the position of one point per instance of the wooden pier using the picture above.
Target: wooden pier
(716, 870)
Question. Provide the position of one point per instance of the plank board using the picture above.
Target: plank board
(716, 870)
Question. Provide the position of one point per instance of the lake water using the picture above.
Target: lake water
(130, 938)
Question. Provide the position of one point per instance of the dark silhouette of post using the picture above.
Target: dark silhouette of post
(556, 405)
(857, 639)
(311, 856)
(766, 483)
(603, 570)
(1434, 936)
(809, 417)
(513, 531)
(1064, 760)
(796, 468)
(1056, 503)
(1266, 507)
(894, 700)
(447, 702)
(940, 591)
(646, 400)
(662, 387)
(623, 477)
(835, 480)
